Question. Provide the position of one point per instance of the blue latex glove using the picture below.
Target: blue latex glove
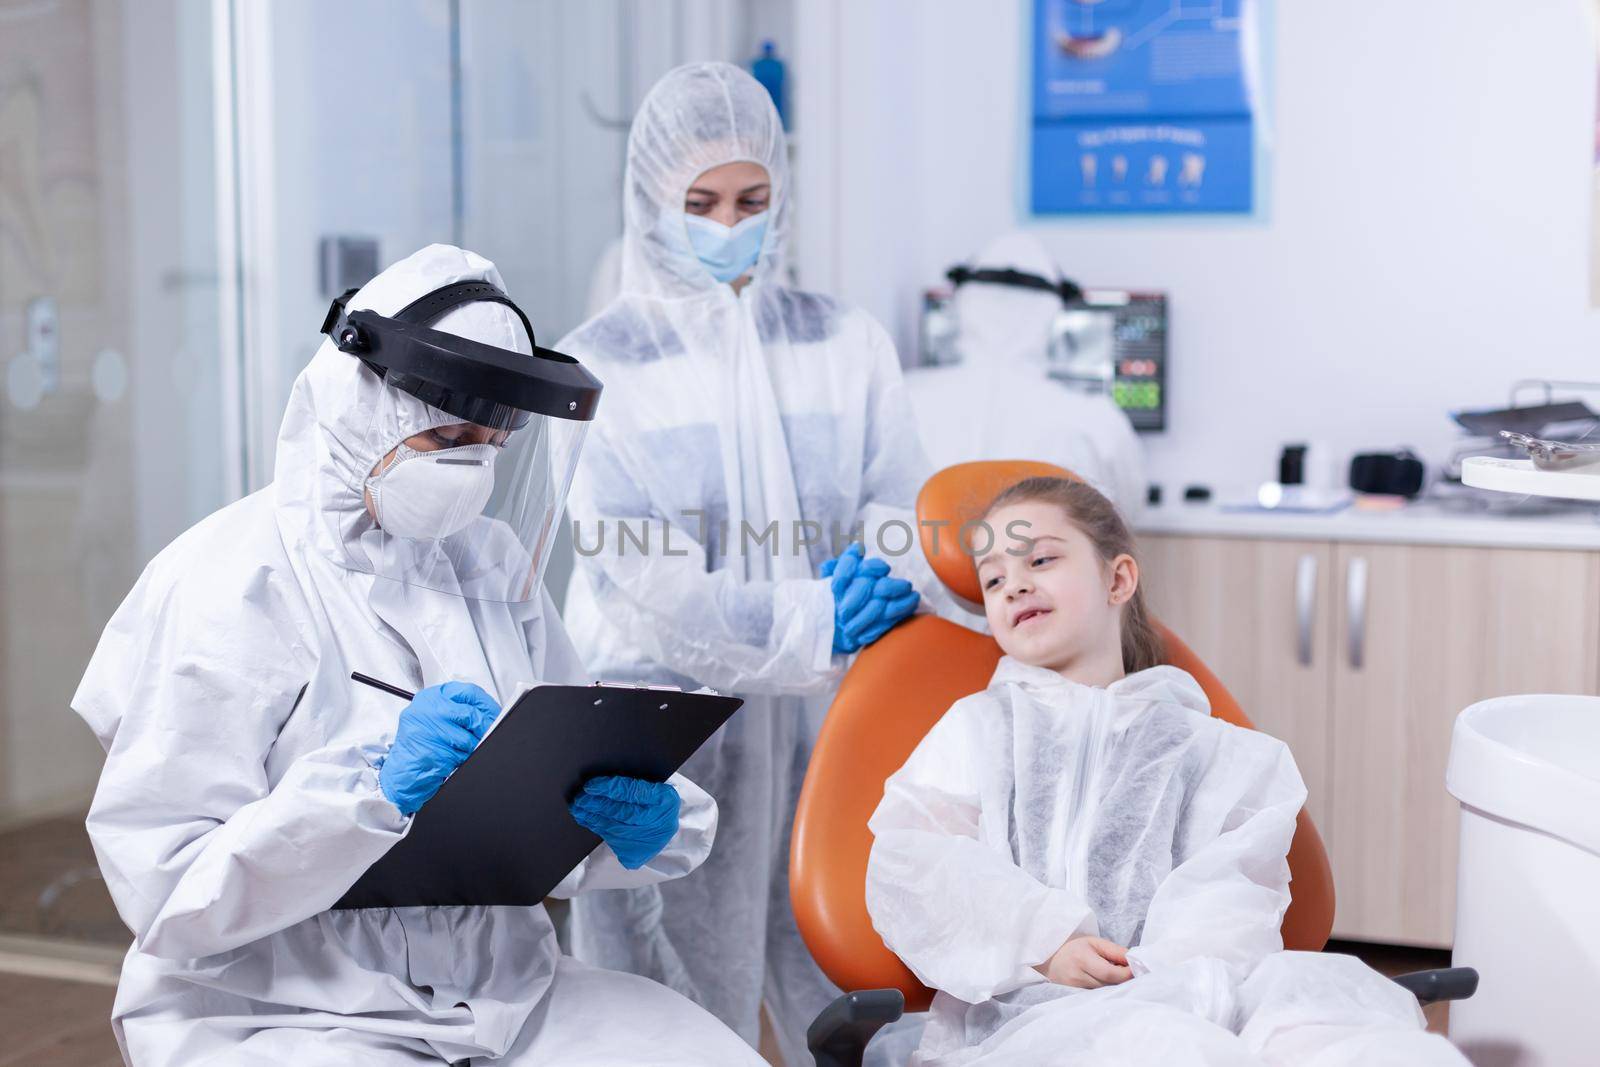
(635, 817)
(437, 731)
(852, 578)
(890, 602)
(867, 601)
(842, 568)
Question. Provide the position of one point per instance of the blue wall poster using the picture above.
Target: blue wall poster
(1141, 107)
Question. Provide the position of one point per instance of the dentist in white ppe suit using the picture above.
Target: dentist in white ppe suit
(1000, 402)
(246, 787)
(734, 402)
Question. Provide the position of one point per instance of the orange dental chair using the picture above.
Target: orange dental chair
(892, 695)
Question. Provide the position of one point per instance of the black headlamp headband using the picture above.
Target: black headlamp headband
(1067, 290)
(475, 382)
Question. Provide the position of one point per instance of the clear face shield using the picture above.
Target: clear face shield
(476, 449)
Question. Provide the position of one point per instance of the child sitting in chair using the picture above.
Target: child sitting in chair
(1089, 868)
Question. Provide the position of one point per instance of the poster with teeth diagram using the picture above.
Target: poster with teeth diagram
(1142, 107)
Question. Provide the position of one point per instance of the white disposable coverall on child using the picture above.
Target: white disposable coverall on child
(1042, 808)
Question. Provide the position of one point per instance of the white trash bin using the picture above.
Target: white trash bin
(1526, 770)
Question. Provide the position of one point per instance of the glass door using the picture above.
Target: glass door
(112, 402)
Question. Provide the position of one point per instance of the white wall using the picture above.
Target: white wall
(1424, 240)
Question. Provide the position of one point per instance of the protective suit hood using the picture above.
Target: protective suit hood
(697, 117)
(1001, 324)
(324, 448)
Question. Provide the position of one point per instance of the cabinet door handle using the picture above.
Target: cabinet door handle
(1356, 601)
(1305, 606)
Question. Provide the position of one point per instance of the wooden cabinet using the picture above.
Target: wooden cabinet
(1360, 656)
(1258, 613)
(1423, 631)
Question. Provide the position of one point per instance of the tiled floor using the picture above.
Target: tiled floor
(50, 885)
(50, 888)
(51, 1023)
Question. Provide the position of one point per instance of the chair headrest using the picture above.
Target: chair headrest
(957, 496)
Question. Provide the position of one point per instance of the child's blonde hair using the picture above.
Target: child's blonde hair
(1099, 521)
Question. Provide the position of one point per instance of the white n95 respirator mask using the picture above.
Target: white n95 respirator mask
(431, 495)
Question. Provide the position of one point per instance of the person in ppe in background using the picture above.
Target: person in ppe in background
(1000, 402)
(249, 783)
(746, 423)
(1084, 864)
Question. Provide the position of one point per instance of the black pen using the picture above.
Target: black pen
(385, 686)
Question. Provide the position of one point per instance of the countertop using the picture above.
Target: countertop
(1422, 522)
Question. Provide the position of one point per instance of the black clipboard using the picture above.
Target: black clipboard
(499, 832)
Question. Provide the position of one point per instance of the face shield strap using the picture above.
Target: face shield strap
(430, 307)
(1067, 290)
(495, 387)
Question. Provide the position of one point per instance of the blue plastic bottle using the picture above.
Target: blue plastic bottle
(768, 70)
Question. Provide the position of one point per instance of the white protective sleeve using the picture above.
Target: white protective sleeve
(736, 636)
(689, 847)
(647, 570)
(201, 854)
(956, 909)
(1226, 898)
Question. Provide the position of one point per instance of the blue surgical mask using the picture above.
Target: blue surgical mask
(726, 251)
